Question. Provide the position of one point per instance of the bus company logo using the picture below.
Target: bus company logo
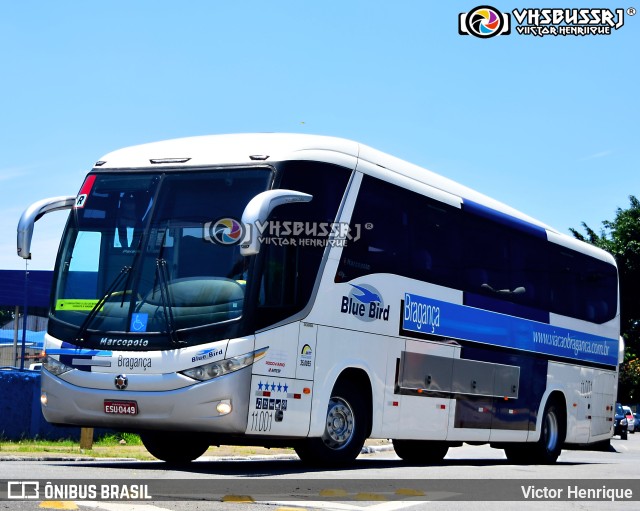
(420, 314)
(134, 362)
(225, 231)
(207, 354)
(484, 22)
(365, 303)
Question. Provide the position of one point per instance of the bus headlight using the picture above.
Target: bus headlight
(55, 367)
(221, 367)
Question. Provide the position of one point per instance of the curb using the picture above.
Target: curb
(61, 458)
(367, 449)
(370, 449)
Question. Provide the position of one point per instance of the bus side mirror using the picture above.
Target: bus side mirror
(32, 214)
(258, 210)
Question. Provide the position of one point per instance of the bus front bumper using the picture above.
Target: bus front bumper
(192, 408)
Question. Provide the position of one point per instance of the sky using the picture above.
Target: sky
(548, 125)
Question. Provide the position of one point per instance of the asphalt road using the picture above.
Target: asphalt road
(378, 481)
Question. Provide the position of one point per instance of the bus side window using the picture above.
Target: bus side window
(412, 235)
(290, 269)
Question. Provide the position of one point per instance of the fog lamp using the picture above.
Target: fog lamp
(224, 407)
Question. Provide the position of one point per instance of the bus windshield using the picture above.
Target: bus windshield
(155, 255)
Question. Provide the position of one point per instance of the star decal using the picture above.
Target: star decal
(260, 385)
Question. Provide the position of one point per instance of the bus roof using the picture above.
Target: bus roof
(249, 148)
(226, 149)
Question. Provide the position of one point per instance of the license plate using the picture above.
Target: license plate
(121, 407)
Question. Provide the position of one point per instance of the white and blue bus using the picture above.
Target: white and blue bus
(308, 291)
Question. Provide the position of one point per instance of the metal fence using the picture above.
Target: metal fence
(21, 343)
(24, 308)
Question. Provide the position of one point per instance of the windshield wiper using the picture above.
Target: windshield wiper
(99, 304)
(165, 297)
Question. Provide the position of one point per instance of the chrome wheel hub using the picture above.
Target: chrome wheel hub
(340, 424)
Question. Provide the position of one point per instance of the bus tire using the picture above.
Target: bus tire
(547, 449)
(174, 448)
(346, 428)
(420, 452)
(554, 430)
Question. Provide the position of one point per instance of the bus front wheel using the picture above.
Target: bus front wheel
(345, 430)
(175, 448)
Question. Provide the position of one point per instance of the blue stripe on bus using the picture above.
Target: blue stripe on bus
(504, 219)
(434, 317)
(505, 307)
(80, 352)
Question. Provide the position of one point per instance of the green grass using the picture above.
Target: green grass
(104, 441)
(117, 445)
(117, 438)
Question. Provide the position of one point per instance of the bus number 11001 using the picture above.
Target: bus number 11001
(261, 420)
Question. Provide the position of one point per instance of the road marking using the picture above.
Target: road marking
(393, 505)
(113, 506)
(370, 497)
(410, 492)
(333, 492)
(58, 504)
(329, 506)
(237, 498)
(293, 505)
(343, 506)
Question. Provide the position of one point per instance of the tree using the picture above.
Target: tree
(621, 238)
(6, 315)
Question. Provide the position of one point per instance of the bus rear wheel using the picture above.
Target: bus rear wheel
(346, 428)
(174, 448)
(547, 449)
(420, 452)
